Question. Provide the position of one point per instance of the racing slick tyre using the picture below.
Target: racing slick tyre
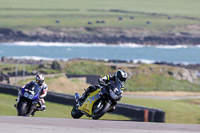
(23, 109)
(75, 113)
(100, 113)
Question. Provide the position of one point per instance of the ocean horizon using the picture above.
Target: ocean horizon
(183, 54)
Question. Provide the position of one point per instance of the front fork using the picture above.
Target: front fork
(98, 107)
(77, 96)
(18, 98)
(32, 108)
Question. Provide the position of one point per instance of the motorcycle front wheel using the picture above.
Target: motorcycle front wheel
(101, 112)
(23, 109)
(75, 113)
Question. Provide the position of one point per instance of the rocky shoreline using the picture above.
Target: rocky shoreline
(92, 35)
(9, 60)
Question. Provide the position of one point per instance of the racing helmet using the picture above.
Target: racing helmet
(39, 79)
(121, 76)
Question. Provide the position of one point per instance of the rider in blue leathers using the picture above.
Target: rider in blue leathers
(119, 76)
(44, 88)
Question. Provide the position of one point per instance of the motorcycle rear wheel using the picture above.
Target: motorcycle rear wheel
(100, 113)
(75, 113)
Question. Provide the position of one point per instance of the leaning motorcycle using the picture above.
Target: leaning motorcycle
(98, 102)
(29, 98)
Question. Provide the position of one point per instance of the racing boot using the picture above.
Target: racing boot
(86, 93)
(33, 113)
(83, 96)
(41, 108)
(112, 109)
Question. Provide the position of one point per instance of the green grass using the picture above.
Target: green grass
(143, 81)
(12, 67)
(53, 110)
(88, 67)
(158, 82)
(28, 14)
(47, 71)
(176, 111)
(173, 7)
(180, 111)
(47, 80)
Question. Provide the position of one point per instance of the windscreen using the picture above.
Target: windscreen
(33, 88)
(116, 87)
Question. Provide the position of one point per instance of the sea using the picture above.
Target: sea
(128, 52)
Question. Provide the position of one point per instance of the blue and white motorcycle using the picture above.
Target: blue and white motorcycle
(28, 99)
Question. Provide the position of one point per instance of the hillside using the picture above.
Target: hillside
(61, 84)
(141, 77)
(169, 22)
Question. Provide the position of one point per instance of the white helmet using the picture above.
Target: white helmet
(121, 76)
(39, 79)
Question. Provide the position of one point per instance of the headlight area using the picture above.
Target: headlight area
(113, 95)
(28, 96)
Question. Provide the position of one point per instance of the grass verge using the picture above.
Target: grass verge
(180, 111)
(158, 82)
(53, 110)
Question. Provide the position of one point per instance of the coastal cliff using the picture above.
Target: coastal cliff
(99, 35)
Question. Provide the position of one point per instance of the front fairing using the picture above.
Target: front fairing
(31, 93)
(37, 91)
(89, 102)
(115, 90)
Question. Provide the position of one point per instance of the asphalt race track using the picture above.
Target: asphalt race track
(15, 124)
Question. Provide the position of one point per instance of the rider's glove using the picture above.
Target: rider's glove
(101, 82)
(20, 89)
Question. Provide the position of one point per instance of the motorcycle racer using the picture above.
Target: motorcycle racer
(119, 76)
(40, 80)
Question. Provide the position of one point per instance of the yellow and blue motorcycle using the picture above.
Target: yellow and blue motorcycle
(98, 102)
